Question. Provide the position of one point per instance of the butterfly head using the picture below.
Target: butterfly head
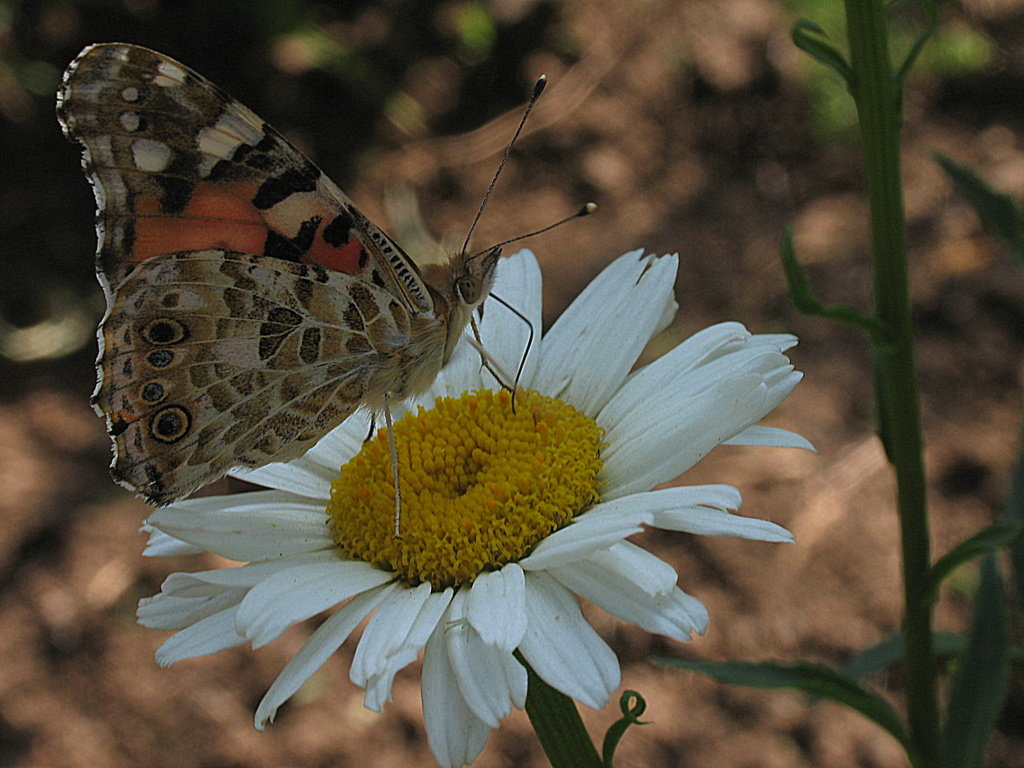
(473, 277)
(470, 280)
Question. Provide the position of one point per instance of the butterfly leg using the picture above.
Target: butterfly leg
(373, 428)
(490, 364)
(394, 465)
(486, 361)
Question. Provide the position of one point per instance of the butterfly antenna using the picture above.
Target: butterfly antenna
(538, 88)
(586, 210)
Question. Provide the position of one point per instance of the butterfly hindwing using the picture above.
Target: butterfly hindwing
(216, 359)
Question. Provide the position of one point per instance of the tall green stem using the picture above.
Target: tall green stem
(878, 109)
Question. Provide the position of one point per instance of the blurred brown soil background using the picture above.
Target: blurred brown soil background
(698, 128)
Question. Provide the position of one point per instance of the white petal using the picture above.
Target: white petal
(698, 364)
(718, 522)
(590, 349)
(670, 371)
(563, 649)
(715, 495)
(309, 480)
(610, 522)
(248, 526)
(378, 684)
(161, 544)
(598, 528)
(456, 735)
(781, 385)
(183, 585)
(496, 607)
(667, 316)
(643, 395)
(213, 582)
(165, 611)
(627, 561)
(680, 610)
(318, 648)
(387, 631)
(295, 594)
(488, 677)
(770, 437)
(672, 613)
(337, 447)
(505, 336)
(519, 282)
(670, 437)
(711, 342)
(779, 341)
(187, 585)
(210, 635)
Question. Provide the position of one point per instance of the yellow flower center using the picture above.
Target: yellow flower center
(481, 485)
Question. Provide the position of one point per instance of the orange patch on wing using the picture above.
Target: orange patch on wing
(340, 258)
(216, 217)
(124, 417)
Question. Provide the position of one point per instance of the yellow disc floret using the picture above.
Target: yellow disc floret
(481, 485)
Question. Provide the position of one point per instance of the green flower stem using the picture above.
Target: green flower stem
(878, 108)
(558, 725)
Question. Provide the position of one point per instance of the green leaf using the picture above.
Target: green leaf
(976, 696)
(1001, 533)
(632, 705)
(804, 300)
(813, 679)
(889, 653)
(915, 50)
(1015, 511)
(810, 38)
(997, 210)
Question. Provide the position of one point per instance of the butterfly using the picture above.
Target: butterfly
(251, 307)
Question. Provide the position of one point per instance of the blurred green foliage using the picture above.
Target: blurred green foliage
(955, 50)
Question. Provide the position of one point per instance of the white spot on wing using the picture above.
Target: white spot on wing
(236, 127)
(130, 93)
(241, 123)
(168, 75)
(215, 142)
(151, 156)
(206, 165)
(130, 121)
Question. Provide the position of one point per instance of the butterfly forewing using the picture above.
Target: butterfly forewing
(178, 165)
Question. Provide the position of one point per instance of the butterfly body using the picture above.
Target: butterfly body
(251, 307)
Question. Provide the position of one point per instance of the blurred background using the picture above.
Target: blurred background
(698, 128)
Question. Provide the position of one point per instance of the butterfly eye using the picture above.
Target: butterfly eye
(469, 289)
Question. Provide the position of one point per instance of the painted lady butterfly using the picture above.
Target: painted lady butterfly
(250, 306)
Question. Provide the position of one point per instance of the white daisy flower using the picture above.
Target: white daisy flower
(507, 517)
